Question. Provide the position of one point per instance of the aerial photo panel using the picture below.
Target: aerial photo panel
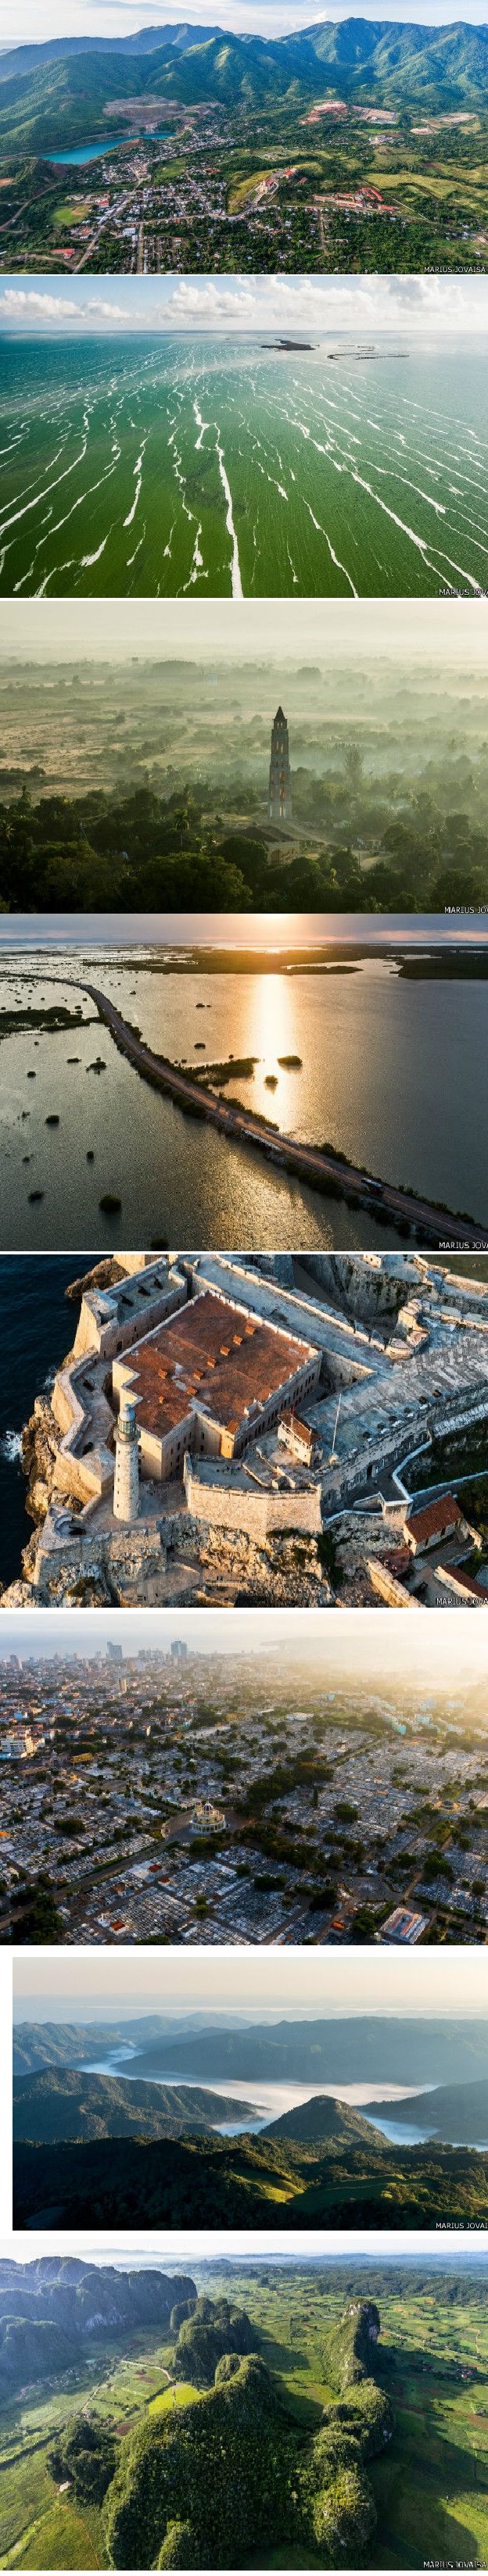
(243, 1286)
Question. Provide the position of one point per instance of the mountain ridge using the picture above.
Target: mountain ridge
(58, 2103)
(62, 92)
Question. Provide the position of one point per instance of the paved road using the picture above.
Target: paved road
(308, 1161)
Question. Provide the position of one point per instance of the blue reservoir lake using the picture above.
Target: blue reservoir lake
(97, 151)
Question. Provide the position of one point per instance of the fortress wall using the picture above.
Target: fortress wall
(229, 1507)
(68, 1411)
(370, 1290)
(388, 1587)
(103, 1331)
(124, 1553)
(89, 1476)
(339, 1368)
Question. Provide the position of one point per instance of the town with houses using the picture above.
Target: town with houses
(242, 1430)
(198, 189)
(178, 1793)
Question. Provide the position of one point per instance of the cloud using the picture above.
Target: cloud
(364, 306)
(21, 300)
(17, 303)
(107, 312)
(20, 24)
(213, 303)
(361, 304)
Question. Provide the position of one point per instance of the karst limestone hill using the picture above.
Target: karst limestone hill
(231, 2477)
(51, 2308)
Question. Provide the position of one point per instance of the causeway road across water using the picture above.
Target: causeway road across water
(323, 1170)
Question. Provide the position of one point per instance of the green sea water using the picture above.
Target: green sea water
(217, 467)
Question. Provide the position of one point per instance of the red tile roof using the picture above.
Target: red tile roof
(210, 1353)
(436, 1518)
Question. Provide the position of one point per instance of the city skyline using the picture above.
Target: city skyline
(439, 1657)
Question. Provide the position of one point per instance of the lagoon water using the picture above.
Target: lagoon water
(390, 1070)
(198, 466)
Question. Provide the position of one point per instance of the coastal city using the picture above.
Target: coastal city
(273, 1430)
(297, 1785)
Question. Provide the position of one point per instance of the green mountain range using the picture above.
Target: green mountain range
(51, 2106)
(350, 2177)
(384, 2048)
(64, 95)
(455, 2112)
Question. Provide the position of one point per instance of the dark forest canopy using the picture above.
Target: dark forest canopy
(141, 850)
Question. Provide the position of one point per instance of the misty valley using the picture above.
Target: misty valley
(146, 785)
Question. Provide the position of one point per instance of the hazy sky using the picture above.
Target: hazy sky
(29, 22)
(409, 305)
(174, 2249)
(286, 1984)
(326, 631)
(273, 931)
(361, 1641)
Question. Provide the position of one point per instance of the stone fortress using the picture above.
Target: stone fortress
(229, 1420)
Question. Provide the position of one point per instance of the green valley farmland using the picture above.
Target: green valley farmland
(431, 2486)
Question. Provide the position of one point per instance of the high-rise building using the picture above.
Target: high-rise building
(279, 803)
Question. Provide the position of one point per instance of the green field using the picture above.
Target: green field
(431, 2491)
(179, 2394)
(121, 2386)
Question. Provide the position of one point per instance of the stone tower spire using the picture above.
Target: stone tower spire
(126, 1478)
(279, 803)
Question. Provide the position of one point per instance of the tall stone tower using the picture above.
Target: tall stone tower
(126, 1478)
(279, 803)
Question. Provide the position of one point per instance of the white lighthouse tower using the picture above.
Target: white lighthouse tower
(126, 1479)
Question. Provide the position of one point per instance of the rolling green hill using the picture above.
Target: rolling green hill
(349, 2178)
(454, 2112)
(54, 2105)
(321, 2119)
(63, 98)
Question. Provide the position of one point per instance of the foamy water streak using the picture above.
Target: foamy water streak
(268, 472)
